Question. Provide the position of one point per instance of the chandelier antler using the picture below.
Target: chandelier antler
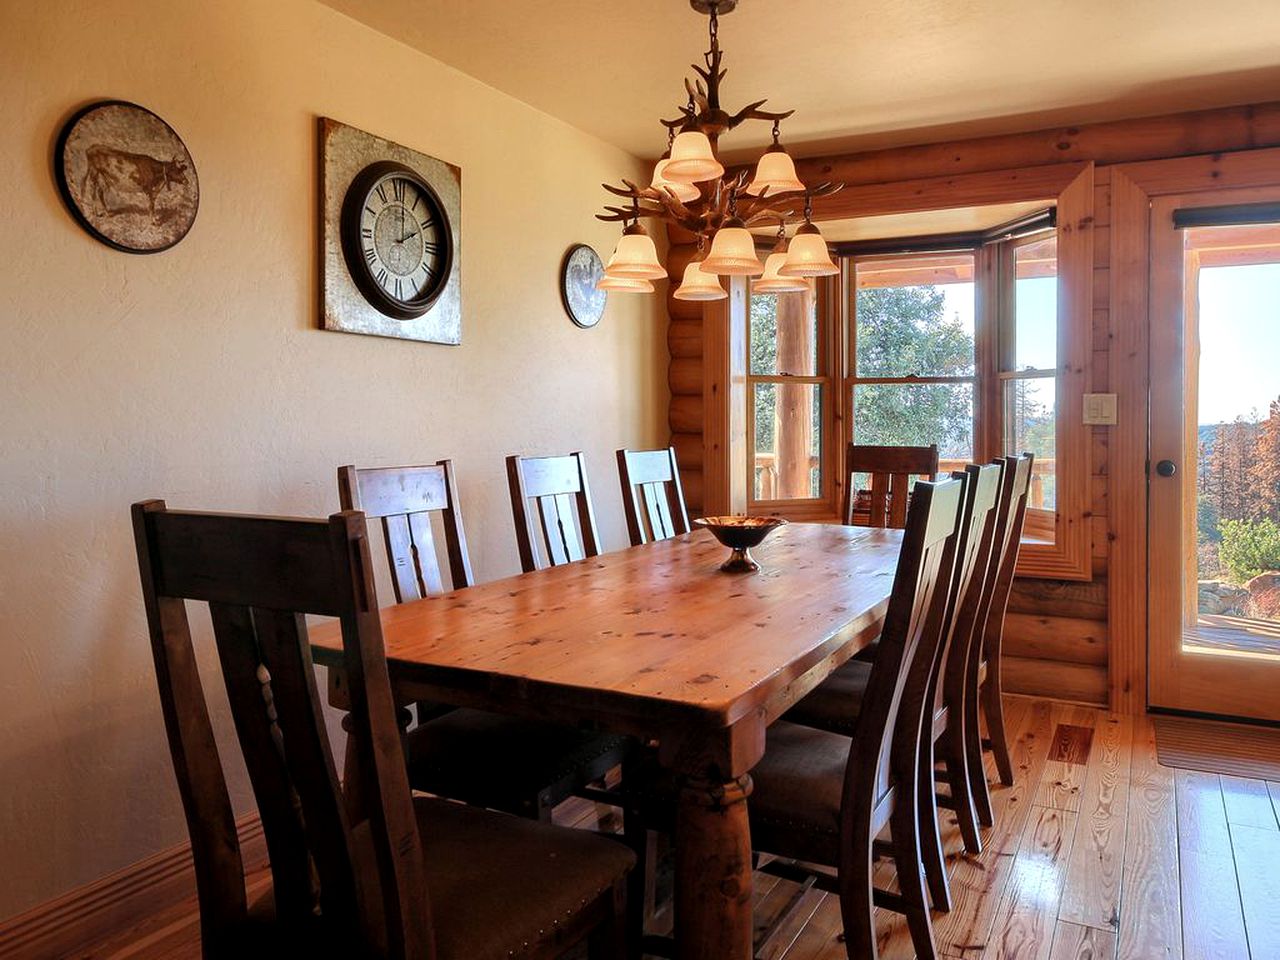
(690, 189)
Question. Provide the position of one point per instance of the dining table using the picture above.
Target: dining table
(655, 641)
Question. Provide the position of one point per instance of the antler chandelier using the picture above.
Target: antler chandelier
(689, 189)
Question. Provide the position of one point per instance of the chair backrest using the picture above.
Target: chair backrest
(260, 576)
(404, 498)
(891, 470)
(957, 653)
(652, 496)
(1009, 523)
(560, 525)
(886, 740)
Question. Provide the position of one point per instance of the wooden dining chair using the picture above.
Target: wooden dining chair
(392, 876)
(988, 682)
(836, 703)
(652, 497)
(551, 504)
(477, 756)
(891, 470)
(823, 798)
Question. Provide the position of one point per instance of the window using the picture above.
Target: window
(788, 392)
(1028, 362)
(911, 338)
(955, 347)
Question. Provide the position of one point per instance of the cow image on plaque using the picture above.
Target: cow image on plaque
(126, 177)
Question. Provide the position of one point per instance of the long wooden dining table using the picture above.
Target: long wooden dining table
(655, 641)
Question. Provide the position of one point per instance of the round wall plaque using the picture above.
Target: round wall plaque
(127, 177)
(579, 273)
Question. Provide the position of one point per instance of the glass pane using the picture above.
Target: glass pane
(915, 316)
(787, 461)
(1232, 542)
(1031, 426)
(916, 414)
(784, 334)
(1035, 306)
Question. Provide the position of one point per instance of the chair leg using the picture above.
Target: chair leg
(608, 941)
(935, 859)
(958, 777)
(857, 909)
(974, 767)
(906, 845)
(638, 838)
(993, 707)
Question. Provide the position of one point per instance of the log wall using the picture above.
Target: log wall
(1057, 640)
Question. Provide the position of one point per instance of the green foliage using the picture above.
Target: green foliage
(1249, 547)
(904, 331)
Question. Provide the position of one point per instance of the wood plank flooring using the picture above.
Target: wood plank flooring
(1097, 852)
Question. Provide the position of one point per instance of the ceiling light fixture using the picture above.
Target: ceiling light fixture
(689, 188)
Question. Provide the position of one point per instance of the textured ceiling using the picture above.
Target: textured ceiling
(859, 73)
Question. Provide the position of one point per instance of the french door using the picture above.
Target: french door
(1214, 455)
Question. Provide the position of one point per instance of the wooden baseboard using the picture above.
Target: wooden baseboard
(60, 927)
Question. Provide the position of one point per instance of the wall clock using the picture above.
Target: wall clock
(391, 239)
(579, 273)
(126, 177)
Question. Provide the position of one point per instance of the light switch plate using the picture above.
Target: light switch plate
(1100, 409)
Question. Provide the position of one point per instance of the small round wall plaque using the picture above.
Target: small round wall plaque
(579, 274)
(127, 177)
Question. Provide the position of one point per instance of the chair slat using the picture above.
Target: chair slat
(253, 711)
(282, 640)
(400, 556)
(879, 499)
(898, 500)
(658, 510)
(425, 555)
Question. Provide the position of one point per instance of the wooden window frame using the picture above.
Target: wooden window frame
(1070, 187)
(851, 380)
(828, 373)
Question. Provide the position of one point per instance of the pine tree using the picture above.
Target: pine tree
(1264, 472)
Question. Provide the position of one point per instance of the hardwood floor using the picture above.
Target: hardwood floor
(1097, 852)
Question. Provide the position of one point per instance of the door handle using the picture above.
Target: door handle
(1166, 468)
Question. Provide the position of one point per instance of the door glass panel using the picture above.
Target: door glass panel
(1231, 493)
(787, 456)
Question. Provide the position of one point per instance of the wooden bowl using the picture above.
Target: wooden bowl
(740, 534)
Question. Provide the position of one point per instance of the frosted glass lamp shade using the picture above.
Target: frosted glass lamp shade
(635, 258)
(733, 252)
(692, 159)
(807, 255)
(699, 285)
(775, 174)
(684, 192)
(773, 282)
(624, 285)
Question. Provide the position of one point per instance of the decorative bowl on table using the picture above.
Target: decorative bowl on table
(740, 534)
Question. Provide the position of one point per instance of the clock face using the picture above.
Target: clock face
(396, 239)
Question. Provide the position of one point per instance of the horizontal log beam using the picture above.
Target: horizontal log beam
(1085, 600)
(1119, 141)
(1078, 682)
(1056, 638)
(686, 414)
(684, 376)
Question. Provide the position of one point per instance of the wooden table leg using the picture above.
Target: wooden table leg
(713, 871)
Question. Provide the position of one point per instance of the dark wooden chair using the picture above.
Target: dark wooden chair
(1008, 538)
(551, 503)
(824, 798)
(836, 704)
(652, 497)
(891, 470)
(384, 875)
(483, 758)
